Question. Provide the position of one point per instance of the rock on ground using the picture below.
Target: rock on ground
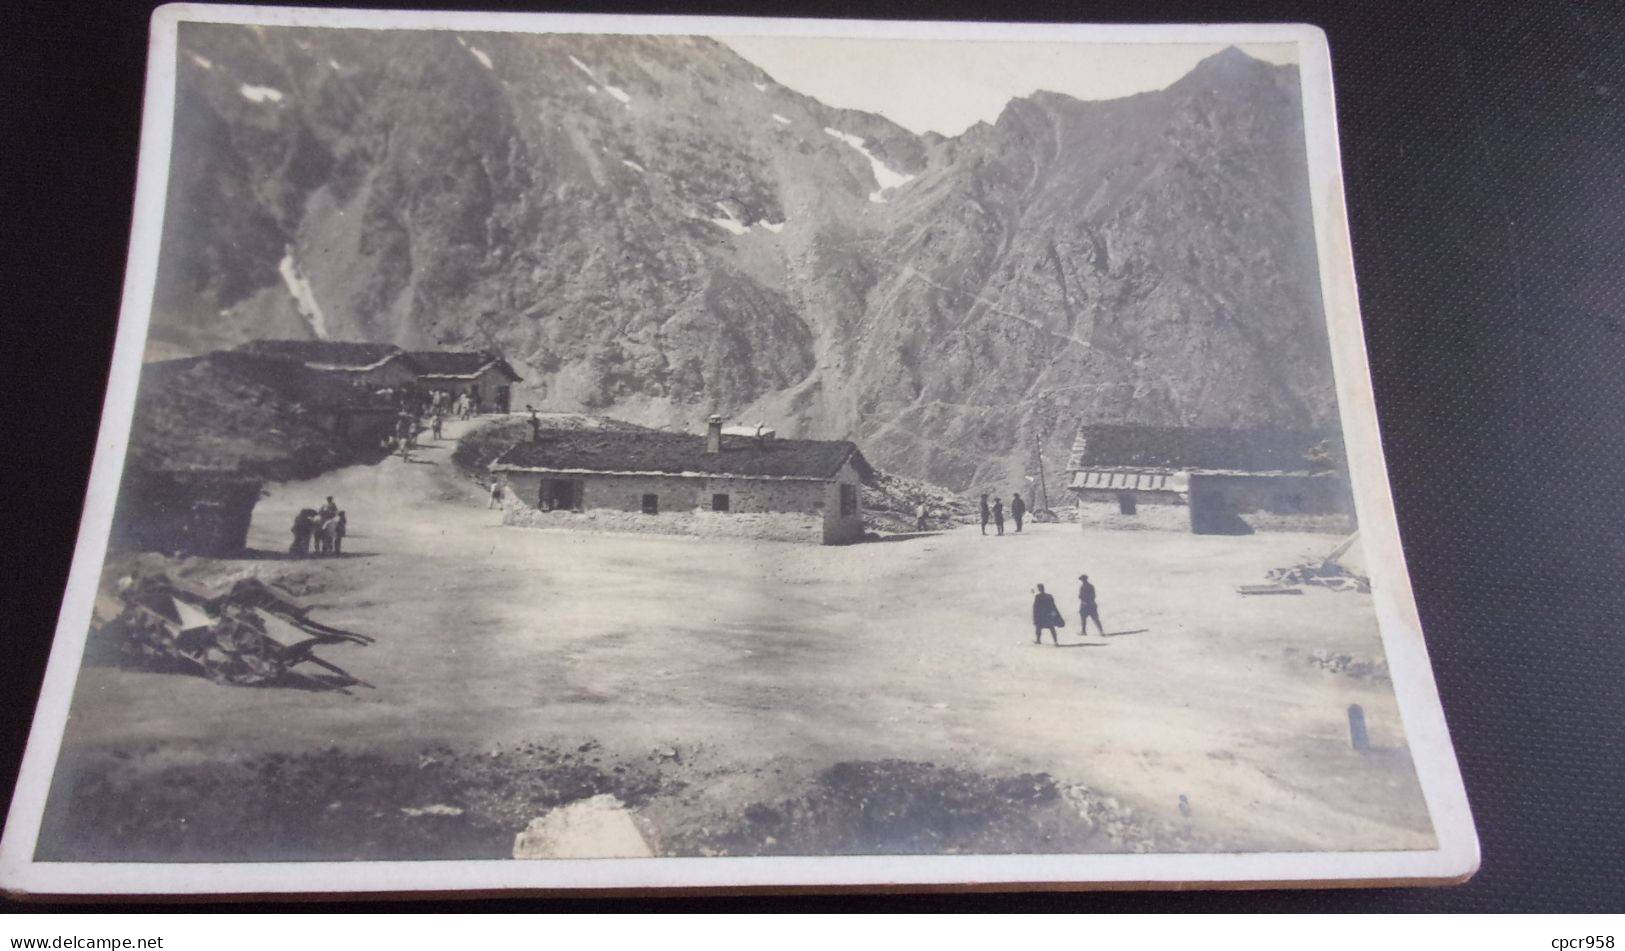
(597, 828)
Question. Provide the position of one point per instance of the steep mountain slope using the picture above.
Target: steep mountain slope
(652, 228)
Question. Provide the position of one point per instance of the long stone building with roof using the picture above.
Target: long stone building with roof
(805, 490)
(484, 376)
(1209, 480)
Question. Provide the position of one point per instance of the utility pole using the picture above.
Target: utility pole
(1038, 451)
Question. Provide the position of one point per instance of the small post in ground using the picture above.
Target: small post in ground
(1358, 737)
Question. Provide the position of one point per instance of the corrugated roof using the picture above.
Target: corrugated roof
(334, 353)
(675, 453)
(1192, 447)
(458, 363)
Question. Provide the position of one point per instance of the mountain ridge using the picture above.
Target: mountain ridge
(652, 227)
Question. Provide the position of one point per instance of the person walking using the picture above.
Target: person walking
(1087, 608)
(439, 424)
(998, 515)
(985, 513)
(496, 493)
(920, 513)
(1046, 617)
(341, 527)
(329, 509)
(1018, 508)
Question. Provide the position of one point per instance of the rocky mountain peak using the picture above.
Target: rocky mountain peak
(646, 225)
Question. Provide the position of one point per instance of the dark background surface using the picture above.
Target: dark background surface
(1484, 156)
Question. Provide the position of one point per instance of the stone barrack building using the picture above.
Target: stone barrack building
(1209, 480)
(803, 490)
(484, 376)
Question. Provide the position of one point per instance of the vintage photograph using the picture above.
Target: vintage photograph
(555, 444)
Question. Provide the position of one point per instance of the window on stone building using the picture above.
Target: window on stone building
(849, 499)
(719, 502)
(651, 504)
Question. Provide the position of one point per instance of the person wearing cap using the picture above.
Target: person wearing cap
(1087, 607)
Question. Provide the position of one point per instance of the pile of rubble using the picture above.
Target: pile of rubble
(1325, 574)
(891, 503)
(252, 634)
(1348, 665)
(1341, 570)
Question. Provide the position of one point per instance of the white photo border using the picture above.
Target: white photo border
(1455, 857)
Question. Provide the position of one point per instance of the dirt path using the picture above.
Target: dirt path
(762, 664)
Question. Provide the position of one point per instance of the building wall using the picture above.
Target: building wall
(160, 512)
(1227, 505)
(843, 529)
(1238, 504)
(365, 427)
(784, 510)
(1157, 511)
(487, 384)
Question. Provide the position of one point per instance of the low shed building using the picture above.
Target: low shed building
(208, 431)
(1208, 480)
(484, 376)
(377, 365)
(679, 483)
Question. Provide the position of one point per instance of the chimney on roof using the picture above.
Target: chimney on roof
(713, 434)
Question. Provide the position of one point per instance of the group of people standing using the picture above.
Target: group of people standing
(1048, 617)
(322, 529)
(463, 405)
(1018, 511)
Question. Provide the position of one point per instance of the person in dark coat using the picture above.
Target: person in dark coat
(985, 513)
(1018, 509)
(998, 515)
(1087, 608)
(304, 524)
(1046, 616)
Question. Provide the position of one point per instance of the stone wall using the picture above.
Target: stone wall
(843, 529)
(782, 510)
(1154, 511)
(488, 384)
(1237, 504)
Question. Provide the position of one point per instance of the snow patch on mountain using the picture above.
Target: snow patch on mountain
(619, 94)
(584, 68)
(304, 296)
(774, 226)
(780, 119)
(632, 165)
(201, 61)
(477, 53)
(730, 223)
(885, 176)
(260, 93)
(760, 87)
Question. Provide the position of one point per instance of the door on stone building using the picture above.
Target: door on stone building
(560, 495)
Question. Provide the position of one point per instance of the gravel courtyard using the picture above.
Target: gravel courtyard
(749, 697)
